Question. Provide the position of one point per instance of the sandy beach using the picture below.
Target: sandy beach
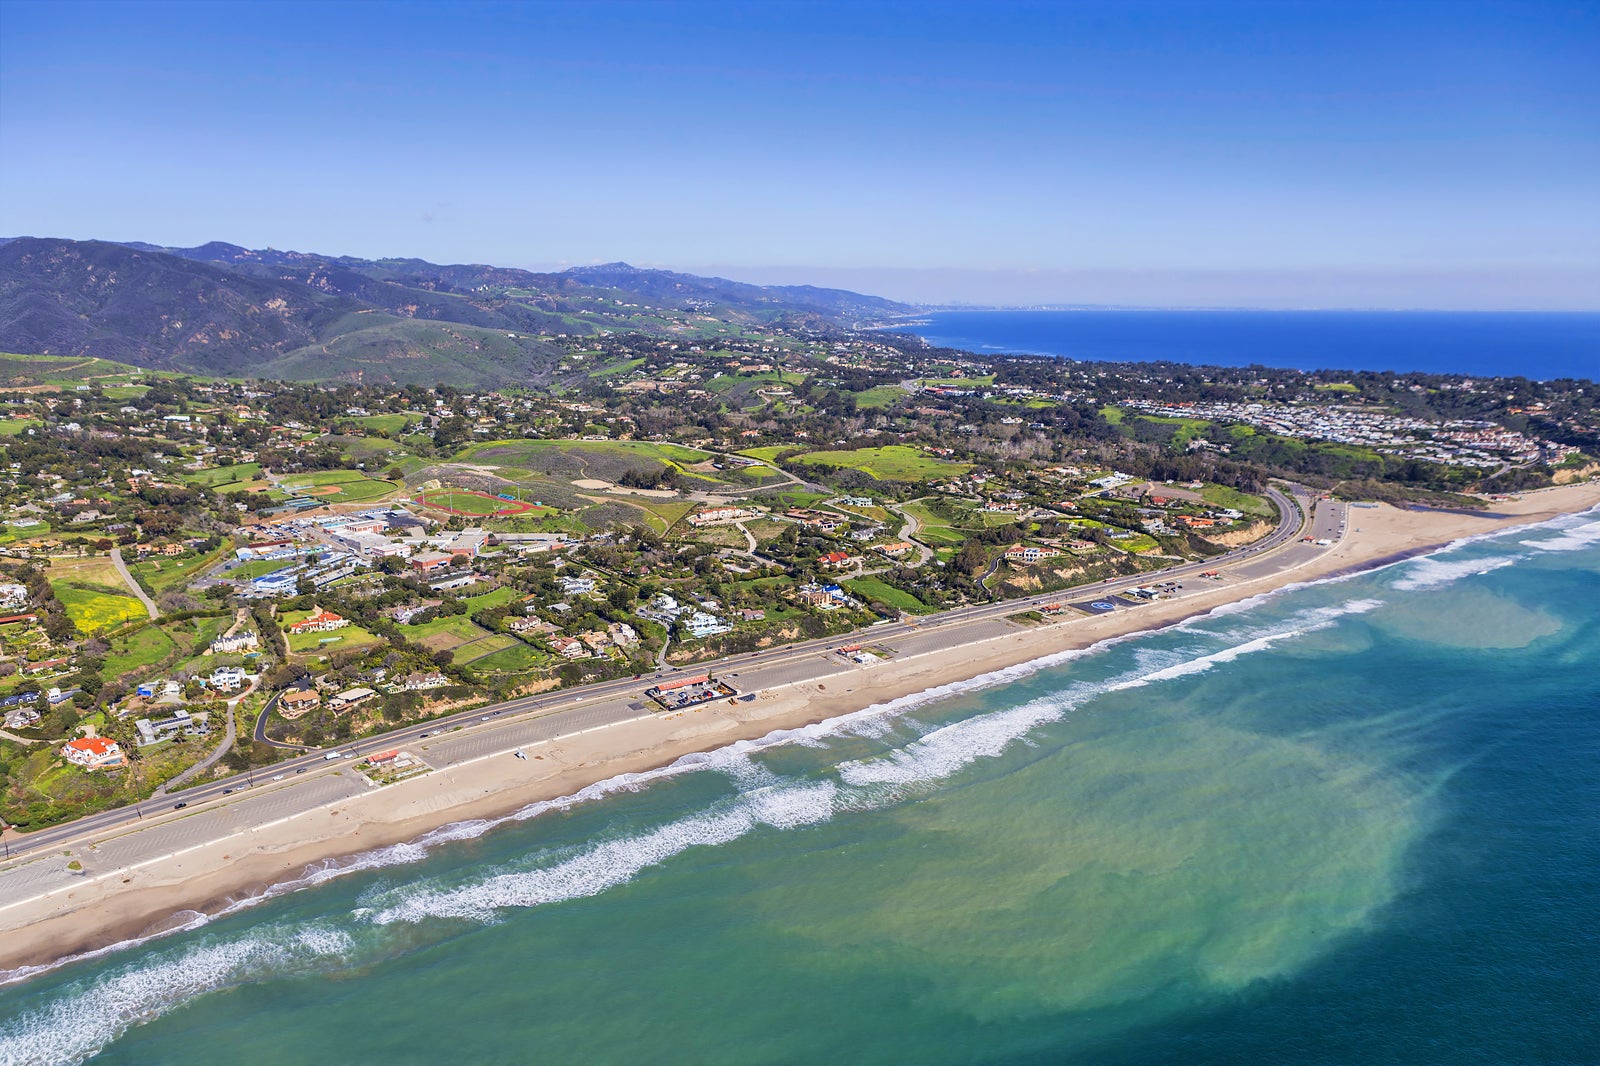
(107, 906)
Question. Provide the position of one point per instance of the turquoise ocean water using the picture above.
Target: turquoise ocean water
(1354, 821)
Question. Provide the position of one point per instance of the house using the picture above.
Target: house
(21, 717)
(622, 634)
(239, 642)
(836, 560)
(812, 596)
(349, 698)
(702, 625)
(576, 586)
(420, 681)
(712, 515)
(227, 678)
(153, 732)
(319, 621)
(1029, 553)
(94, 753)
(750, 615)
(298, 701)
(894, 550)
(13, 594)
(568, 648)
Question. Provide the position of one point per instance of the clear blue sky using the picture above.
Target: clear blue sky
(1277, 154)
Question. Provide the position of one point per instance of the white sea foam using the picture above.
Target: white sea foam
(618, 861)
(79, 1025)
(946, 750)
(1571, 539)
(1431, 571)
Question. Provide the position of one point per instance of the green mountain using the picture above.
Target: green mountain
(224, 309)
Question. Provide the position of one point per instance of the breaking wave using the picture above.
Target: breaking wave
(74, 1028)
(1432, 572)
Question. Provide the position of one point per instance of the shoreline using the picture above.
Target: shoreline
(113, 907)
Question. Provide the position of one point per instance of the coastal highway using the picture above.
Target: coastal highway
(300, 783)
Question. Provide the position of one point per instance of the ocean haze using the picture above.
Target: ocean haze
(1569, 287)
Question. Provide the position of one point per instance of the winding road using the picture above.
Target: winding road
(138, 590)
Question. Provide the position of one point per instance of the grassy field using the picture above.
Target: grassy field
(159, 575)
(138, 650)
(1222, 496)
(224, 475)
(458, 635)
(475, 504)
(960, 383)
(339, 640)
(870, 588)
(64, 369)
(391, 423)
(767, 454)
(93, 609)
(11, 427)
(879, 396)
(511, 659)
(604, 460)
(893, 462)
(451, 631)
(338, 486)
(1114, 415)
(499, 597)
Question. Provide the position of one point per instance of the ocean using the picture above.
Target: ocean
(1352, 821)
(1536, 345)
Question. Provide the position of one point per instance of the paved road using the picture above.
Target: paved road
(138, 590)
(548, 715)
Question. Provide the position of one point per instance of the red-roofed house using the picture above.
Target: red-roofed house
(93, 753)
(319, 622)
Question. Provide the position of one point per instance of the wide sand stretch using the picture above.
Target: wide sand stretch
(103, 907)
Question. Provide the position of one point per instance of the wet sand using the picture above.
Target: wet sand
(110, 906)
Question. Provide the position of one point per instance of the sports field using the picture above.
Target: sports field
(472, 504)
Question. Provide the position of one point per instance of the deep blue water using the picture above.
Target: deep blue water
(1352, 822)
(1542, 346)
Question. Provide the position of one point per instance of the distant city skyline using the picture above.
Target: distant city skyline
(1160, 153)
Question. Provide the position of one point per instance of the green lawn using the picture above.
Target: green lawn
(767, 454)
(338, 486)
(497, 598)
(1222, 496)
(137, 650)
(391, 423)
(351, 636)
(11, 427)
(893, 462)
(870, 588)
(224, 475)
(516, 657)
(879, 396)
(452, 631)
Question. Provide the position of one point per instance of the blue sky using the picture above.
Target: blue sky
(1278, 154)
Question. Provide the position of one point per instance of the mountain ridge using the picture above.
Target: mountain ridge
(221, 308)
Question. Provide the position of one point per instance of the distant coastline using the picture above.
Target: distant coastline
(1537, 344)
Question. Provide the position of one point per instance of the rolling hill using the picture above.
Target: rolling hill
(224, 309)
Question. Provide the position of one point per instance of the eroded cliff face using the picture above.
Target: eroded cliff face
(1248, 535)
